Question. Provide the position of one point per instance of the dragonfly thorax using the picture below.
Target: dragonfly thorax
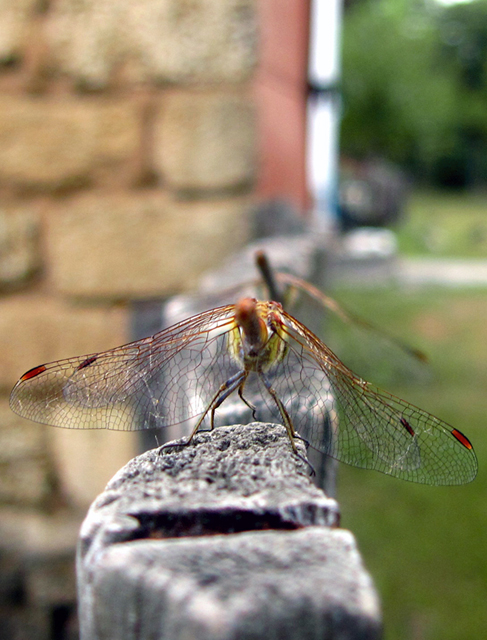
(257, 340)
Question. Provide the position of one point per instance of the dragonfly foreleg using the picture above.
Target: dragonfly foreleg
(220, 396)
(252, 407)
(298, 437)
(227, 388)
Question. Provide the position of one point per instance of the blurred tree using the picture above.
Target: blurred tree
(414, 86)
(463, 38)
(462, 31)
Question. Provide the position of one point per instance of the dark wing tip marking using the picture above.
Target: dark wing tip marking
(32, 373)
(86, 363)
(462, 439)
(408, 427)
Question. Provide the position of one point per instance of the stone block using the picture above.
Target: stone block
(19, 247)
(140, 245)
(157, 40)
(24, 482)
(24, 463)
(37, 534)
(20, 439)
(51, 581)
(86, 460)
(35, 329)
(56, 143)
(37, 561)
(205, 141)
(225, 538)
(26, 623)
(14, 24)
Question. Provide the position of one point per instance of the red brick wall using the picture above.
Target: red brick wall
(281, 95)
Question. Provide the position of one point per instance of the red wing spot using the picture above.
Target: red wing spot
(461, 438)
(32, 373)
(407, 426)
(87, 362)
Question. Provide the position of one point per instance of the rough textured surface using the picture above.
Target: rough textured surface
(93, 455)
(19, 439)
(14, 25)
(34, 330)
(159, 40)
(153, 563)
(56, 143)
(293, 585)
(248, 470)
(140, 245)
(19, 243)
(205, 141)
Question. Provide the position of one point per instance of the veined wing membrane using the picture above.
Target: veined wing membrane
(163, 380)
(188, 370)
(374, 429)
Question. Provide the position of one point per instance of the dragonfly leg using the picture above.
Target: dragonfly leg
(222, 394)
(236, 381)
(245, 401)
(298, 437)
(282, 410)
(291, 432)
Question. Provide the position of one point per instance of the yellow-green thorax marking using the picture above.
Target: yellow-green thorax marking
(258, 341)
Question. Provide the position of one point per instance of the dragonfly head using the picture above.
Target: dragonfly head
(252, 326)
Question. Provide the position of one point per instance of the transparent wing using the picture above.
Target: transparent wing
(345, 417)
(174, 375)
(154, 382)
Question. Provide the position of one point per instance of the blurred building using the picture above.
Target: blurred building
(134, 138)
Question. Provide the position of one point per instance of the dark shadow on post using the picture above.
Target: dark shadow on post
(224, 538)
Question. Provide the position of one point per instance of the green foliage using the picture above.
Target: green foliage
(444, 224)
(463, 39)
(415, 85)
(423, 545)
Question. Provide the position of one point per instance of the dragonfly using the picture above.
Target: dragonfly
(265, 356)
(371, 348)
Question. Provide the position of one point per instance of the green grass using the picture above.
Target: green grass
(445, 224)
(426, 547)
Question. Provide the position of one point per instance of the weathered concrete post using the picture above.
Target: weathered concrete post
(226, 538)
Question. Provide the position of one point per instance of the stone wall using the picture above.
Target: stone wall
(127, 158)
